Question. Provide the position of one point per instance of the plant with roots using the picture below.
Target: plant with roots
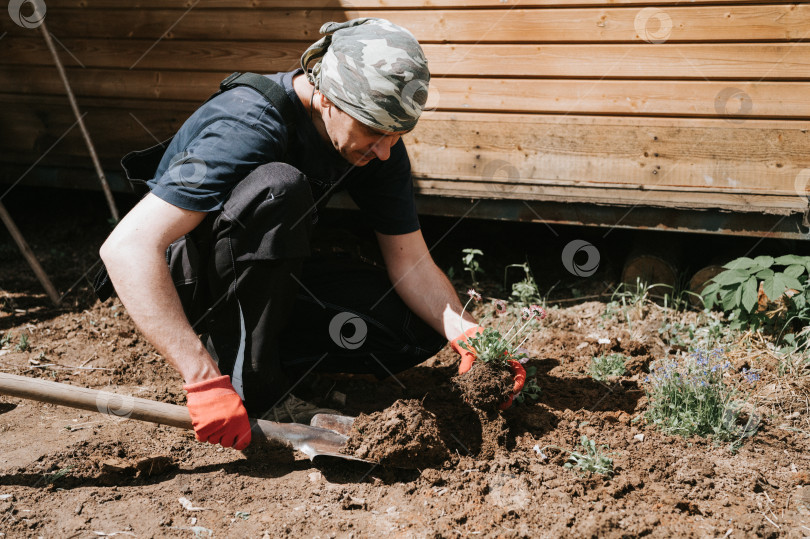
(493, 346)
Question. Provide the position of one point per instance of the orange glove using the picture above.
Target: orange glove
(519, 374)
(467, 359)
(217, 413)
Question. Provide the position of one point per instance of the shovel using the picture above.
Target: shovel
(315, 442)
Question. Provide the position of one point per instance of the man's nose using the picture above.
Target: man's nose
(382, 148)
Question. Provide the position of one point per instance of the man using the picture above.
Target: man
(241, 187)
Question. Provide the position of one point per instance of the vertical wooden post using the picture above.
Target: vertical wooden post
(73, 105)
(29, 255)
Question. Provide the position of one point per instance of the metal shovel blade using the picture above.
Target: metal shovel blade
(313, 441)
(337, 423)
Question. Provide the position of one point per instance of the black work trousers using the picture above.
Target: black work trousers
(269, 313)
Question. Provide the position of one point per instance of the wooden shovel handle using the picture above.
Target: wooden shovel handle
(104, 402)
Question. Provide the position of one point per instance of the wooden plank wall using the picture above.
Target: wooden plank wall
(705, 105)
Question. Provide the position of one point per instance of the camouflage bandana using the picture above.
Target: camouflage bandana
(371, 69)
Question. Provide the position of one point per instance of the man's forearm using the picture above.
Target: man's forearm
(142, 281)
(427, 291)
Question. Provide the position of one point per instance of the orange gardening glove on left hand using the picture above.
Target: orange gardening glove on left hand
(468, 358)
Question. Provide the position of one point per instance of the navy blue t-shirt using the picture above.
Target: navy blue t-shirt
(239, 130)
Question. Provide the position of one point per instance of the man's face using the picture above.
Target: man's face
(356, 142)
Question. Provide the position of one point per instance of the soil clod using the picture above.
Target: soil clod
(485, 386)
(404, 435)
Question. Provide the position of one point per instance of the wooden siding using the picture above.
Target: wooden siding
(704, 106)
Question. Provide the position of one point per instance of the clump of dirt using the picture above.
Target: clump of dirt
(404, 435)
(493, 433)
(485, 386)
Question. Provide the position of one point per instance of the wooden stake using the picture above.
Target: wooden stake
(29, 255)
(73, 105)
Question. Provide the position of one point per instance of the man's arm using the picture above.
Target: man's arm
(420, 283)
(135, 256)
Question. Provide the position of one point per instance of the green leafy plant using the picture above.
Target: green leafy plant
(524, 292)
(472, 265)
(785, 307)
(607, 365)
(706, 332)
(491, 345)
(630, 301)
(24, 344)
(530, 389)
(592, 458)
(692, 396)
(6, 339)
(794, 354)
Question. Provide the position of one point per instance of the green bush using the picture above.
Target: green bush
(692, 397)
(607, 365)
(784, 281)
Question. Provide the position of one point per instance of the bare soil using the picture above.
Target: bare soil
(69, 473)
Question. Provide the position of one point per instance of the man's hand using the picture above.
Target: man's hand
(217, 413)
(519, 375)
(468, 358)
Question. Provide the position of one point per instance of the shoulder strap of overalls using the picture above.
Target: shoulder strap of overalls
(271, 90)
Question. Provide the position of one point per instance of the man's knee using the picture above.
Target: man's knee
(268, 183)
(269, 214)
